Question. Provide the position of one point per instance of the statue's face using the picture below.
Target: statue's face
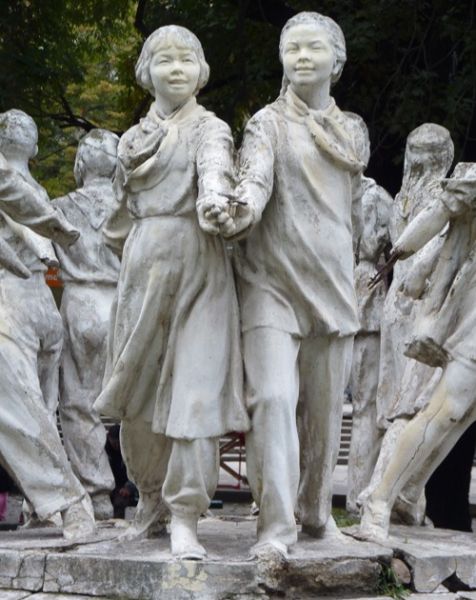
(174, 72)
(308, 56)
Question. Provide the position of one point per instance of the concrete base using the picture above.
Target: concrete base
(433, 555)
(42, 561)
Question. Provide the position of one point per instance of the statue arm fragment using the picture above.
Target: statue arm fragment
(119, 224)
(22, 203)
(256, 175)
(216, 177)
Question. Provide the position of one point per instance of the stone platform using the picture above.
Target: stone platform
(434, 556)
(42, 561)
(40, 565)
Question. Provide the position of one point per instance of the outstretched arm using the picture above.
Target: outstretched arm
(22, 203)
(428, 223)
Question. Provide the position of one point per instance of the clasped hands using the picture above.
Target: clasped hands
(226, 216)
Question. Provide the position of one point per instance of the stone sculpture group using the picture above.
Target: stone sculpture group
(155, 332)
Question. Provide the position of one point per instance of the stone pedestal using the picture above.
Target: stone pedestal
(41, 561)
(434, 556)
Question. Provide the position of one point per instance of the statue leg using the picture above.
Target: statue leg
(272, 446)
(324, 368)
(365, 440)
(85, 314)
(146, 456)
(435, 427)
(189, 486)
(50, 332)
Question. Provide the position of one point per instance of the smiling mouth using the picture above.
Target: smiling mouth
(177, 81)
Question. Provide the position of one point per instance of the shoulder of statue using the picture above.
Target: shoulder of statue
(128, 138)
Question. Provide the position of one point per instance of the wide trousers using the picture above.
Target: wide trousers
(184, 473)
(86, 312)
(294, 392)
(30, 345)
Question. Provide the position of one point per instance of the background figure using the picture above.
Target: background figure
(89, 270)
(372, 239)
(402, 386)
(445, 338)
(30, 447)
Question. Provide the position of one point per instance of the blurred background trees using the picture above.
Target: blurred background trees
(70, 64)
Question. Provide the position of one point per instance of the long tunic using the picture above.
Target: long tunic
(297, 169)
(174, 357)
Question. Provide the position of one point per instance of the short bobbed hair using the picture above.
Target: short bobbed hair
(333, 30)
(161, 36)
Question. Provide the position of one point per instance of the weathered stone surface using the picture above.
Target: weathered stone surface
(466, 596)
(145, 570)
(43, 596)
(21, 570)
(433, 596)
(433, 555)
(14, 595)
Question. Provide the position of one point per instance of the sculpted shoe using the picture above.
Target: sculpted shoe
(102, 507)
(183, 538)
(77, 522)
(375, 520)
(149, 520)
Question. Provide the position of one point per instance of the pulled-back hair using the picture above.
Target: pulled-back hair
(155, 40)
(336, 37)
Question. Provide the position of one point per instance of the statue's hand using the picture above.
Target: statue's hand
(385, 269)
(62, 232)
(213, 213)
(242, 221)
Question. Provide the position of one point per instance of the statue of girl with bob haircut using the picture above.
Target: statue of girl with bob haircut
(174, 373)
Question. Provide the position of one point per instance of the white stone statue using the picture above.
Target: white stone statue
(404, 384)
(174, 372)
(372, 239)
(31, 337)
(445, 338)
(300, 167)
(89, 270)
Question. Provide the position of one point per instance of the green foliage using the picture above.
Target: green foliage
(67, 64)
(388, 584)
(71, 66)
(343, 518)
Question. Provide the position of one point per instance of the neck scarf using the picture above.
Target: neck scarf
(327, 131)
(156, 134)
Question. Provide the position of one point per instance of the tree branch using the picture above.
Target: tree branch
(139, 22)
